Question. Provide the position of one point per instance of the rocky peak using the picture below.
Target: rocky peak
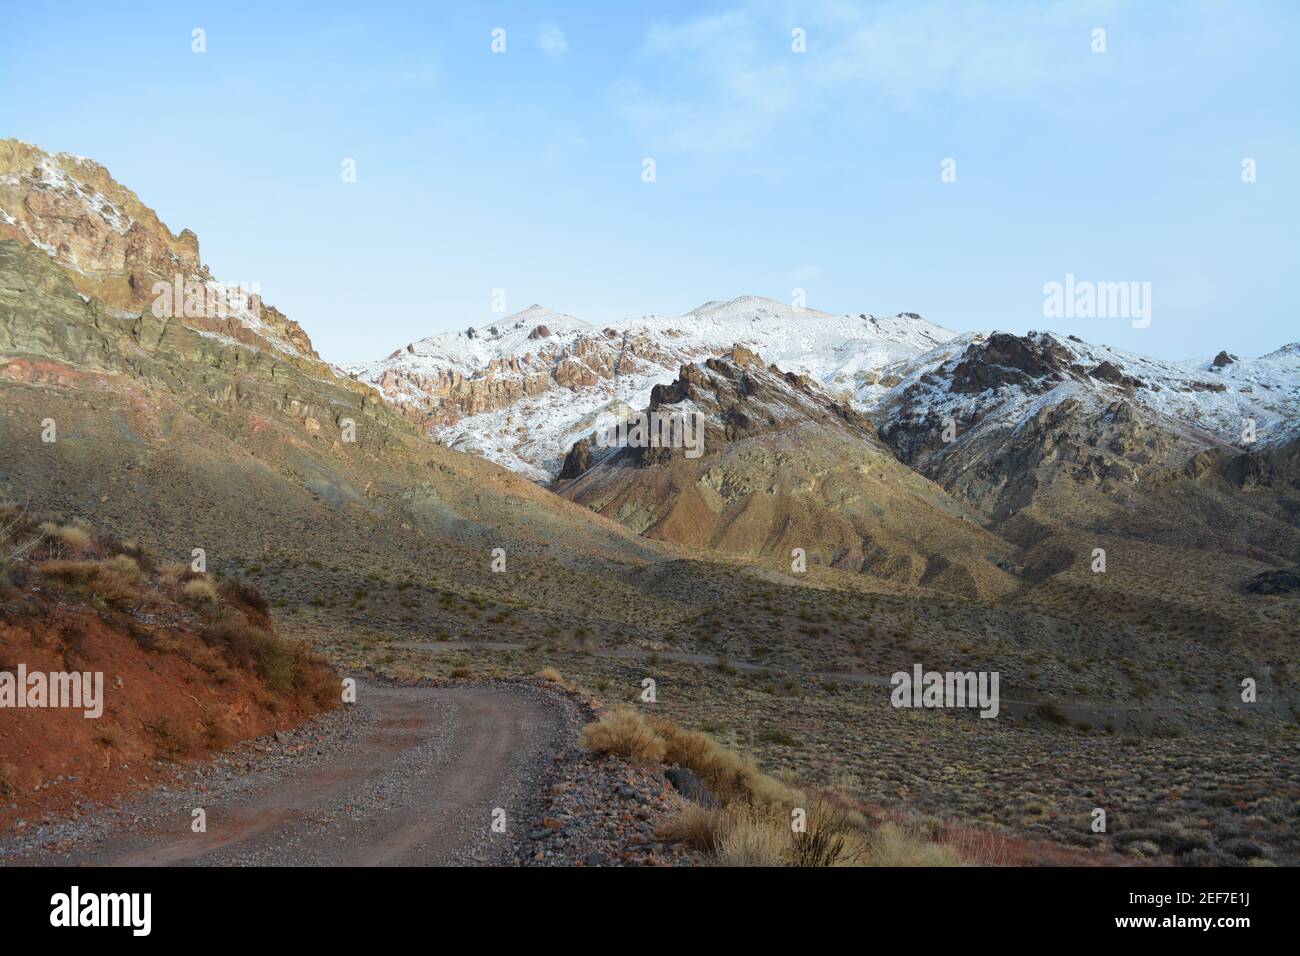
(739, 396)
(117, 248)
(1034, 362)
(1108, 372)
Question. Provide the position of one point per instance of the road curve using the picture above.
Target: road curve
(417, 784)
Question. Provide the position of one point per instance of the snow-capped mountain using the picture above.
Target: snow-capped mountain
(1240, 402)
(521, 391)
(1000, 419)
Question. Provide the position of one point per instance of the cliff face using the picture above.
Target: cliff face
(117, 248)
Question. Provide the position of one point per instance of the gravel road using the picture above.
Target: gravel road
(406, 776)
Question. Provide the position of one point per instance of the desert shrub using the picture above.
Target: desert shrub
(694, 825)
(199, 591)
(142, 556)
(1051, 712)
(111, 736)
(8, 779)
(312, 677)
(751, 838)
(775, 735)
(624, 732)
(746, 835)
(240, 640)
(275, 663)
(178, 573)
(891, 844)
(238, 591)
(551, 674)
(115, 580)
(285, 666)
(829, 839)
(726, 773)
(75, 537)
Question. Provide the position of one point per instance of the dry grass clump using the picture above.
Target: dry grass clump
(8, 774)
(285, 666)
(727, 774)
(624, 732)
(116, 580)
(746, 835)
(111, 736)
(696, 826)
(894, 844)
(551, 675)
(73, 535)
(246, 594)
(753, 823)
(199, 591)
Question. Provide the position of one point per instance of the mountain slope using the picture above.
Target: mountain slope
(784, 467)
(188, 432)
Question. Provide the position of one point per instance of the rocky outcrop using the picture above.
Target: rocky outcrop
(1108, 372)
(578, 460)
(46, 323)
(437, 397)
(117, 248)
(1032, 362)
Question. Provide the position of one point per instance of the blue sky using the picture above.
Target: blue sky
(774, 170)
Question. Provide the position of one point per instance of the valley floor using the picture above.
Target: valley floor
(1211, 788)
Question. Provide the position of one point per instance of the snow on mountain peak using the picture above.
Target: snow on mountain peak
(516, 390)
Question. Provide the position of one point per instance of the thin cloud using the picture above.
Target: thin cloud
(737, 78)
(552, 41)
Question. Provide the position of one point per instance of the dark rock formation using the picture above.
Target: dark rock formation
(577, 460)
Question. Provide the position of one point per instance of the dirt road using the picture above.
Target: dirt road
(413, 779)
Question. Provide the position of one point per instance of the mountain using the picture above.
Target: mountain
(1008, 423)
(521, 391)
(217, 427)
(226, 433)
(117, 250)
(783, 466)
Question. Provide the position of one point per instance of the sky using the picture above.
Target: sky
(949, 159)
